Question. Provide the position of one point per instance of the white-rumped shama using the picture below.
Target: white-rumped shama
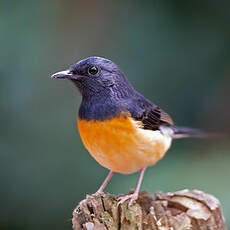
(121, 129)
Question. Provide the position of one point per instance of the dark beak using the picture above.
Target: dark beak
(66, 74)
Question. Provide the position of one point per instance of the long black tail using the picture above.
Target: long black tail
(181, 132)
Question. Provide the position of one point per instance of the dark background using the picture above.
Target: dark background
(177, 53)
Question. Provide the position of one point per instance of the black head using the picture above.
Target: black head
(97, 77)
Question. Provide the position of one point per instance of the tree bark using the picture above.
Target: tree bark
(182, 210)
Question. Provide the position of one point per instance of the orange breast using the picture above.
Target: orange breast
(121, 145)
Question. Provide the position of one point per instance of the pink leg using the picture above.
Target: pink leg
(106, 181)
(133, 196)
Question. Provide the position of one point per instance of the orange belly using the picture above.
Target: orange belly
(121, 145)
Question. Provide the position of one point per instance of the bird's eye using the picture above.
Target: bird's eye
(93, 70)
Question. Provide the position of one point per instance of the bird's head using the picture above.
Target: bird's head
(96, 76)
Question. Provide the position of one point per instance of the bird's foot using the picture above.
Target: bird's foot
(132, 197)
(98, 193)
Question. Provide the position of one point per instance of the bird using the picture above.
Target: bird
(121, 129)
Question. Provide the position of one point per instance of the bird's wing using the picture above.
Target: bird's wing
(151, 116)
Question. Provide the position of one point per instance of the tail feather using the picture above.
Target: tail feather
(181, 132)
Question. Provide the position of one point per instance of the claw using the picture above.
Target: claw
(132, 197)
(98, 193)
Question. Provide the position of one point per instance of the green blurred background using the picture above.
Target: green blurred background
(177, 53)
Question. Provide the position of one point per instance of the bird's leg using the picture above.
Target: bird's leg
(134, 196)
(106, 181)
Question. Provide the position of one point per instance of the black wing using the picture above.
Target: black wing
(155, 117)
(151, 116)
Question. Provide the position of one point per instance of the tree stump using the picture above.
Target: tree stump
(182, 210)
